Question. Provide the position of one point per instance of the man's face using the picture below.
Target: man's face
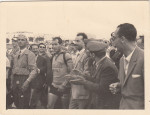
(50, 49)
(56, 46)
(79, 42)
(35, 49)
(14, 43)
(42, 48)
(116, 41)
(22, 42)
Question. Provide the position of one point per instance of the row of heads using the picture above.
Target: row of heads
(126, 30)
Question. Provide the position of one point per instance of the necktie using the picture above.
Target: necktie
(19, 54)
(125, 66)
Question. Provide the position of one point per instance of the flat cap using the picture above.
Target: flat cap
(96, 46)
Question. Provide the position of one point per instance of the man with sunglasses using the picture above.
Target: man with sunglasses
(131, 70)
(24, 71)
(37, 84)
(42, 52)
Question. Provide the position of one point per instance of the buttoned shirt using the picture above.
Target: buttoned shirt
(21, 51)
(78, 56)
(127, 61)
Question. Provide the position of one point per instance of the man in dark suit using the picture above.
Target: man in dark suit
(38, 83)
(105, 73)
(131, 72)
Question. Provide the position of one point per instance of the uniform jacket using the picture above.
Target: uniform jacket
(24, 65)
(132, 85)
(105, 74)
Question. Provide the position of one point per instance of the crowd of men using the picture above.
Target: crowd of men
(82, 75)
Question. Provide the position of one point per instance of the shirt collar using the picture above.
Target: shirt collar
(21, 51)
(97, 63)
(81, 51)
(128, 58)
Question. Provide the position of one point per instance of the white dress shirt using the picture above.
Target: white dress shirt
(127, 61)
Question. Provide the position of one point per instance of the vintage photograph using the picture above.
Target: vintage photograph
(75, 54)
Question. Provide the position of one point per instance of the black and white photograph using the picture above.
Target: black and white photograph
(61, 56)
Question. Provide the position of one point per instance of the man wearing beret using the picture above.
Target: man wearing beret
(131, 70)
(105, 74)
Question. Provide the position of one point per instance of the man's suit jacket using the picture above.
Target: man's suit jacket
(41, 77)
(132, 84)
(81, 63)
(24, 66)
(105, 74)
(24, 63)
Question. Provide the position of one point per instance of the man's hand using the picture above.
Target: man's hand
(78, 81)
(38, 70)
(25, 85)
(45, 85)
(114, 87)
(61, 88)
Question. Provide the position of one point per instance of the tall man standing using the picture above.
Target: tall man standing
(24, 71)
(131, 72)
(80, 96)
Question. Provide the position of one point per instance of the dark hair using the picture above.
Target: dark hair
(83, 34)
(66, 40)
(41, 44)
(59, 39)
(99, 53)
(128, 31)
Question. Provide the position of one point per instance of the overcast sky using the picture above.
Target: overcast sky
(66, 19)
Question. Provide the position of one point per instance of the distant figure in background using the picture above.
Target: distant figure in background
(37, 85)
(11, 54)
(73, 50)
(14, 49)
(131, 70)
(7, 71)
(24, 71)
(50, 49)
(140, 42)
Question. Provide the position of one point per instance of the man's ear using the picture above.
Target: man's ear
(93, 55)
(123, 39)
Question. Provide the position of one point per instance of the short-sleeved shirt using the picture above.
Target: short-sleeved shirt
(59, 68)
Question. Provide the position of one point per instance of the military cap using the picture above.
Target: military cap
(96, 46)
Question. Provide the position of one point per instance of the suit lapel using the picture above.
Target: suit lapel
(37, 60)
(132, 64)
(78, 58)
(99, 68)
(122, 72)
